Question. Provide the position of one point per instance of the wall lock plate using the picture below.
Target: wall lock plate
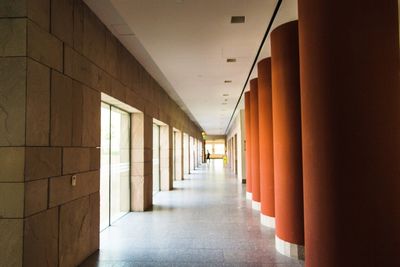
(73, 180)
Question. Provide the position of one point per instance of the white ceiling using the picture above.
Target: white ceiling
(184, 45)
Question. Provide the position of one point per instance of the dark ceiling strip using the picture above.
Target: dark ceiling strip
(255, 59)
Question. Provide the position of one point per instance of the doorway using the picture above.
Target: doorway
(115, 164)
(156, 158)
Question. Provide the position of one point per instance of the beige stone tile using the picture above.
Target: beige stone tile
(137, 130)
(37, 104)
(91, 118)
(137, 196)
(95, 158)
(105, 82)
(111, 54)
(13, 37)
(137, 155)
(44, 47)
(41, 239)
(123, 60)
(11, 200)
(12, 164)
(148, 132)
(79, 7)
(94, 38)
(137, 168)
(147, 192)
(75, 233)
(61, 190)
(16, 8)
(39, 12)
(77, 113)
(94, 221)
(164, 159)
(151, 110)
(42, 162)
(12, 101)
(134, 100)
(163, 116)
(82, 69)
(166, 182)
(62, 19)
(11, 232)
(118, 90)
(77, 159)
(36, 196)
(61, 110)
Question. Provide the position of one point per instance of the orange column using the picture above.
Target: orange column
(351, 132)
(255, 156)
(266, 144)
(287, 140)
(248, 144)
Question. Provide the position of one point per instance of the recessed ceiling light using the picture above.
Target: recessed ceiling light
(227, 81)
(231, 60)
(238, 19)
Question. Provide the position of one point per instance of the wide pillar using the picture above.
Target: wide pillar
(266, 143)
(287, 140)
(248, 144)
(351, 132)
(255, 156)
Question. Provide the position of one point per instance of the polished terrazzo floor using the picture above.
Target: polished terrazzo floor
(204, 221)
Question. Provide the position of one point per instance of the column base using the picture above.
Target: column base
(289, 249)
(249, 195)
(256, 205)
(267, 221)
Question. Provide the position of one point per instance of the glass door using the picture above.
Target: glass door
(105, 167)
(120, 157)
(115, 165)
(156, 158)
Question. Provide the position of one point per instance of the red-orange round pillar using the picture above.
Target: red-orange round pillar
(266, 143)
(287, 140)
(248, 144)
(255, 156)
(350, 99)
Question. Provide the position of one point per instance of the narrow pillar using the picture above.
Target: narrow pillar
(351, 137)
(266, 143)
(287, 140)
(248, 144)
(255, 157)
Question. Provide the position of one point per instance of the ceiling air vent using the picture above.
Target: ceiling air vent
(230, 60)
(227, 81)
(238, 19)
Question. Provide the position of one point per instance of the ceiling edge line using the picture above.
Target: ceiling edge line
(255, 61)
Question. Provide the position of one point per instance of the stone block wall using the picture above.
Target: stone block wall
(56, 58)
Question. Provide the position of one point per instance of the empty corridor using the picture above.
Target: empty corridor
(204, 221)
